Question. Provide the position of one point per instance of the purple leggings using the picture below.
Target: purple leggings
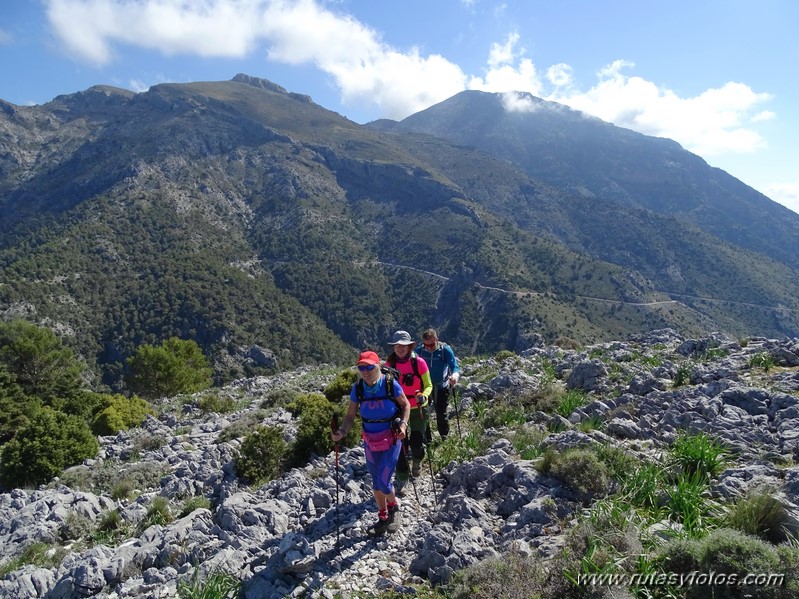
(381, 465)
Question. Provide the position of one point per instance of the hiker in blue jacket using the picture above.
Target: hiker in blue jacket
(380, 406)
(444, 373)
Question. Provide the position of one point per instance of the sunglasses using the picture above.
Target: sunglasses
(428, 337)
(366, 367)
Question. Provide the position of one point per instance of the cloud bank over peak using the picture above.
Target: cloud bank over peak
(367, 71)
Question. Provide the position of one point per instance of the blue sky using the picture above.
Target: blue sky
(718, 76)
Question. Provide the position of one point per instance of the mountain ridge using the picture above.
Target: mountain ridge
(236, 211)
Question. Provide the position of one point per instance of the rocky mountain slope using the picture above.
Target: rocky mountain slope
(303, 534)
(277, 233)
(588, 157)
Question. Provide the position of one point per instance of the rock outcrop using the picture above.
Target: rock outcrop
(304, 534)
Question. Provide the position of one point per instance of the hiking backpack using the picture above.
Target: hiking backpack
(392, 359)
(391, 374)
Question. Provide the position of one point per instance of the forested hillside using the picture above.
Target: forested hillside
(275, 233)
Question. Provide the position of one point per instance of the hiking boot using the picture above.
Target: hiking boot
(416, 469)
(394, 518)
(399, 484)
(379, 527)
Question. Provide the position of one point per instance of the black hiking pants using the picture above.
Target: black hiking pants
(441, 405)
(415, 445)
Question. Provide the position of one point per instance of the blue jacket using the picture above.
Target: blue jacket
(441, 362)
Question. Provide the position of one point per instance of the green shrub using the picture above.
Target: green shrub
(683, 375)
(119, 413)
(504, 354)
(280, 397)
(176, 366)
(213, 403)
(510, 576)
(216, 585)
(733, 552)
(75, 527)
(194, 503)
(688, 504)
(341, 386)
(243, 426)
(148, 442)
(262, 455)
(759, 514)
(762, 360)
(123, 489)
(43, 447)
(579, 469)
(15, 408)
(698, 454)
(36, 554)
(313, 430)
(158, 513)
(681, 555)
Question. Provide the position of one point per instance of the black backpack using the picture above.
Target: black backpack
(391, 374)
(392, 359)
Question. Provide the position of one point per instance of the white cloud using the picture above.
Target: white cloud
(5, 37)
(137, 85)
(709, 124)
(89, 28)
(507, 70)
(503, 54)
(366, 70)
(764, 115)
(560, 75)
(786, 194)
(293, 32)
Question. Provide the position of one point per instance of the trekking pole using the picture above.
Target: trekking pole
(429, 454)
(457, 411)
(334, 428)
(396, 424)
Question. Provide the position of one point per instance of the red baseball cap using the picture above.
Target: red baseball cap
(369, 357)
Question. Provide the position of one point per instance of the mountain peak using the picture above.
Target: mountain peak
(269, 85)
(258, 82)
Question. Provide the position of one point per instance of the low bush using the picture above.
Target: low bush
(158, 513)
(217, 584)
(119, 413)
(75, 527)
(341, 386)
(580, 469)
(262, 455)
(759, 514)
(214, 404)
(731, 552)
(511, 576)
(43, 447)
(315, 415)
(194, 503)
(243, 426)
(698, 454)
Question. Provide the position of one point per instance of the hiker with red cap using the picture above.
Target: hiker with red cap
(385, 412)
